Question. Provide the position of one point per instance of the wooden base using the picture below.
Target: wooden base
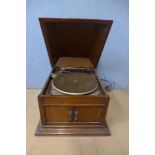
(72, 130)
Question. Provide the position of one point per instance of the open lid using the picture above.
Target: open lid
(75, 38)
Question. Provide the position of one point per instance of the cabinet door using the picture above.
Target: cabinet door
(54, 114)
(89, 114)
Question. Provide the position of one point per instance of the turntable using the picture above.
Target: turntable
(73, 101)
(73, 82)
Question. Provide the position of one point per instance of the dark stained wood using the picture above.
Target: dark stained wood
(55, 109)
(73, 43)
(41, 109)
(83, 38)
(89, 113)
(58, 113)
(71, 113)
(72, 130)
(73, 62)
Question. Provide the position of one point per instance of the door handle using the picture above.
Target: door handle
(76, 115)
(71, 115)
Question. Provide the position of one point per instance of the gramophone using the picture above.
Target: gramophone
(73, 100)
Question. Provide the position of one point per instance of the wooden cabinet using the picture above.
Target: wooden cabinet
(73, 43)
(89, 114)
(72, 115)
(79, 114)
(55, 114)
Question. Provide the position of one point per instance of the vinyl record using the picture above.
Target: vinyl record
(75, 83)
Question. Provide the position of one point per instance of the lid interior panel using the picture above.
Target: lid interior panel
(75, 38)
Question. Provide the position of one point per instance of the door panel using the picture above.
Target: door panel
(89, 114)
(55, 114)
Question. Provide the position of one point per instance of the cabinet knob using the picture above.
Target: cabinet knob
(71, 115)
(76, 115)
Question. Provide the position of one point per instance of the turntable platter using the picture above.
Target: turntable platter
(75, 83)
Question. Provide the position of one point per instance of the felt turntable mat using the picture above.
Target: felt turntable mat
(75, 83)
(116, 144)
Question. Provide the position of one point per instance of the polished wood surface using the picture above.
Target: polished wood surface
(58, 114)
(90, 114)
(74, 114)
(73, 43)
(72, 131)
(73, 62)
(116, 144)
(64, 109)
(75, 38)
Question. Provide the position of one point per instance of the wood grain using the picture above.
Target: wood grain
(75, 38)
(116, 144)
(55, 108)
(73, 62)
(73, 43)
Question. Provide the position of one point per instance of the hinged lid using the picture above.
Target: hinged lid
(75, 38)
